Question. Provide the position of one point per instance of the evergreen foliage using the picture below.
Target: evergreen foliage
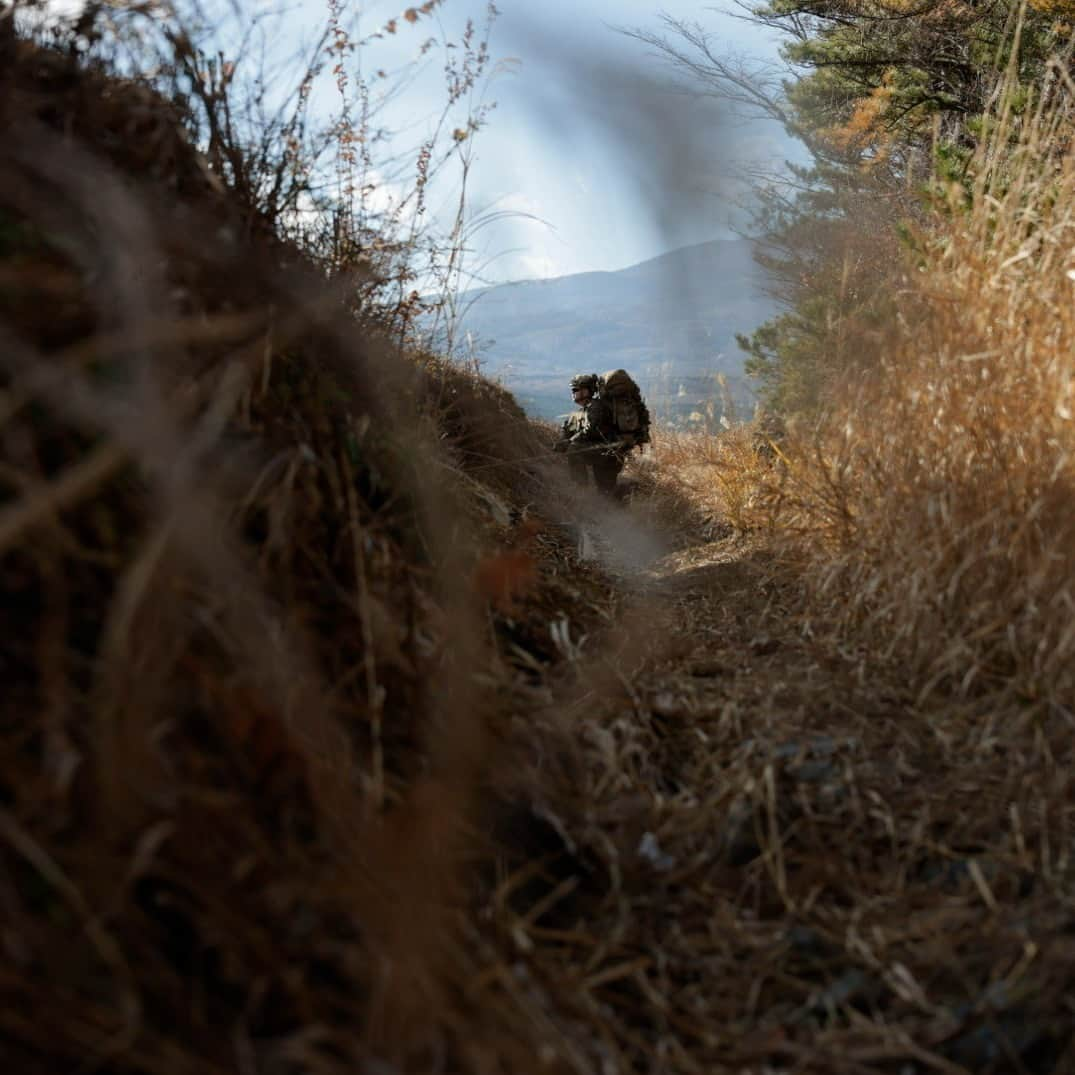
(889, 98)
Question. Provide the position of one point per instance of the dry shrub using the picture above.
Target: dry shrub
(935, 502)
(714, 479)
(243, 732)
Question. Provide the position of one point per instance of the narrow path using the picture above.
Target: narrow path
(763, 858)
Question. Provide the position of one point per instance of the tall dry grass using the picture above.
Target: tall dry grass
(718, 478)
(928, 514)
(933, 506)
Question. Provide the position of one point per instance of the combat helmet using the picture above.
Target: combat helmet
(590, 381)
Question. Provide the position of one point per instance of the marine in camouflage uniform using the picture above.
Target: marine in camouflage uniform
(590, 439)
(769, 433)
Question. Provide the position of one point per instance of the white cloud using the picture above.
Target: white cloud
(533, 266)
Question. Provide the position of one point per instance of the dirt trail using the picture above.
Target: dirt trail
(770, 860)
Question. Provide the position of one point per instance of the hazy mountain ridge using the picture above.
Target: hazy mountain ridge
(671, 321)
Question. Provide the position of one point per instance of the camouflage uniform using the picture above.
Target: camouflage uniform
(591, 443)
(769, 432)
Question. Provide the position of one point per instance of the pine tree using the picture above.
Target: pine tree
(886, 95)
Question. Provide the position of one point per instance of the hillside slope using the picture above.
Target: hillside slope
(671, 320)
(250, 689)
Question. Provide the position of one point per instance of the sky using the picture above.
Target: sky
(598, 164)
(588, 161)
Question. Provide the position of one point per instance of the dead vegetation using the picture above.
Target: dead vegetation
(243, 724)
(884, 687)
(717, 477)
(320, 751)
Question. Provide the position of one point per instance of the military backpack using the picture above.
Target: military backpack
(630, 415)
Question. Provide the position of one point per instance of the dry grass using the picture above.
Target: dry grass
(935, 504)
(929, 512)
(769, 864)
(710, 479)
(247, 675)
(320, 752)
(831, 832)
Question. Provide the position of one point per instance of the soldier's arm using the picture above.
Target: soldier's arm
(607, 438)
(599, 421)
(569, 431)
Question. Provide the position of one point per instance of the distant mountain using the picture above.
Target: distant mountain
(671, 322)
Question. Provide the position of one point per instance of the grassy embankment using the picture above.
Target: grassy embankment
(919, 575)
(250, 692)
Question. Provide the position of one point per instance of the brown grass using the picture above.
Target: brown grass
(850, 794)
(929, 512)
(321, 752)
(247, 673)
(710, 480)
(935, 504)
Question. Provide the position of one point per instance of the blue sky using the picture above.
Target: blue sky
(595, 165)
(588, 138)
(581, 139)
(587, 161)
